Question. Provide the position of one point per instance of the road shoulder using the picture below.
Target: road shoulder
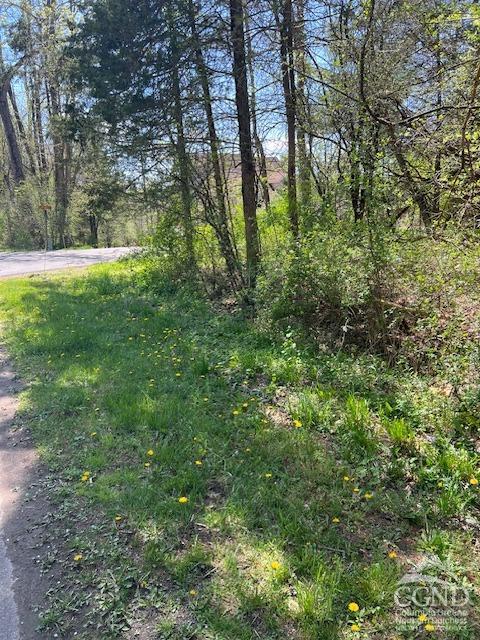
(24, 515)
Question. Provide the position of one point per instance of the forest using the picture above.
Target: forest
(268, 417)
(121, 121)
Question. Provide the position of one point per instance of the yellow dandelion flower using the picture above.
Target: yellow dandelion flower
(150, 453)
(93, 434)
(422, 617)
(353, 606)
(346, 478)
(473, 481)
(192, 592)
(118, 518)
(355, 628)
(335, 520)
(392, 555)
(235, 412)
(297, 424)
(146, 465)
(85, 476)
(356, 490)
(198, 463)
(78, 557)
(245, 405)
(183, 500)
(268, 475)
(275, 565)
(429, 627)
(178, 374)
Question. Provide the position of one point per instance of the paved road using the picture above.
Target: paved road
(23, 262)
(9, 618)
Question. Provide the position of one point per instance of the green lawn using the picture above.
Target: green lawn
(230, 486)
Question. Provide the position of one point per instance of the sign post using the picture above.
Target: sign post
(48, 244)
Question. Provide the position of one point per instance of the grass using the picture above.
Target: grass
(226, 486)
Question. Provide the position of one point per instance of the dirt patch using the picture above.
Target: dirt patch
(24, 510)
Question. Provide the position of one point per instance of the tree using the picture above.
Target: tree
(220, 221)
(245, 140)
(285, 24)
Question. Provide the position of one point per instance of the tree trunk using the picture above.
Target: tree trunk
(93, 223)
(437, 167)
(59, 160)
(37, 123)
(16, 164)
(222, 228)
(61, 192)
(245, 138)
(262, 160)
(288, 81)
(418, 194)
(304, 170)
(181, 150)
(21, 130)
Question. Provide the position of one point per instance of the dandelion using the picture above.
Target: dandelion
(355, 627)
(118, 518)
(297, 424)
(422, 617)
(335, 520)
(392, 555)
(178, 374)
(192, 592)
(183, 500)
(245, 405)
(198, 463)
(86, 476)
(268, 475)
(473, 481)
(275, 565)
(356, 490)
(78, 557)
(368, 496)
(353, 607)
(429, 627)
(93, 434)
(346, 478)
(146, 465)
(150, 453)
(235, 412)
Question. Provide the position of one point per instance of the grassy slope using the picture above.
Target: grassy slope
(302, 472)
